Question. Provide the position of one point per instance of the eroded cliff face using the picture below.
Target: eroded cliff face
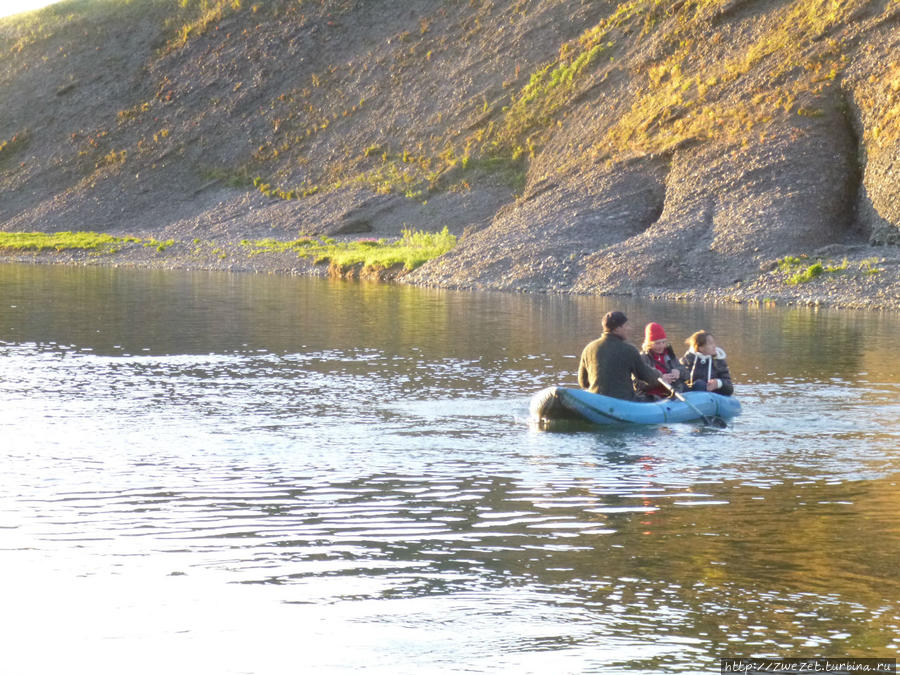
(791, 160)
(587, 147)
(873, 95)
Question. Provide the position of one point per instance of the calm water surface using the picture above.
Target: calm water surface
(245, 474)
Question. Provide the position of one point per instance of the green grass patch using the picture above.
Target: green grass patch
(789, 263)
(411, 250)
(870, 266)
(158, 245)
(62, 241)
(95, 242)
(838, 268)
(548, 90)
(799, 270)
(810, 273)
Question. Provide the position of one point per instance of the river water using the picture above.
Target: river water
(210, 473)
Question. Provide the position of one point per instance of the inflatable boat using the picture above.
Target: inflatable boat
(561, 404)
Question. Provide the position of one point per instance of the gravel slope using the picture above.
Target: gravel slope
(672, 150)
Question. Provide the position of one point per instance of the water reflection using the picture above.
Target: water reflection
(352, 463)
(116, 312)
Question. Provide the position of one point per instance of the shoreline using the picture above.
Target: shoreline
(853, 278)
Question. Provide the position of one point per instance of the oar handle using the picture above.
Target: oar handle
(672, 391)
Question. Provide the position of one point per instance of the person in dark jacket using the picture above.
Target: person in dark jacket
(608, 363)
(658, 354)
(704, 365)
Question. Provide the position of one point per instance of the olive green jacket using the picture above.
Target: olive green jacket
(607, 365)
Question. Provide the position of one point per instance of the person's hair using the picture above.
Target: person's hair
(698, 339)
(613, 320)
(647, 344)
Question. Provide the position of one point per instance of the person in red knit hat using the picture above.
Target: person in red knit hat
(658, 353)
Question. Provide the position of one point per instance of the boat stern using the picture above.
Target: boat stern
(547, 406)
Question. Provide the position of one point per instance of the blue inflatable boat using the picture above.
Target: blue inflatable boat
(559, 404)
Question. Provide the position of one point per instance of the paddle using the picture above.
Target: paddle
(714, 421)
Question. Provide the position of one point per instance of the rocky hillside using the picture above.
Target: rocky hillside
(583, 145)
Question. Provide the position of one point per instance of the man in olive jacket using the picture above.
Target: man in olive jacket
(608, 362)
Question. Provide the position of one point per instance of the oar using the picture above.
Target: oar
(714, 421)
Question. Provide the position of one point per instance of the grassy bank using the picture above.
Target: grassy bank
(799, 270)
(78, 241)
(63, 241)
(411, 250)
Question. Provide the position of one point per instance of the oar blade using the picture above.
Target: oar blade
(716, 422)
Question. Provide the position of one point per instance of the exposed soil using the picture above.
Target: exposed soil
(681, 151)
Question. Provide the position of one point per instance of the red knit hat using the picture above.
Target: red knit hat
(654, 332)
